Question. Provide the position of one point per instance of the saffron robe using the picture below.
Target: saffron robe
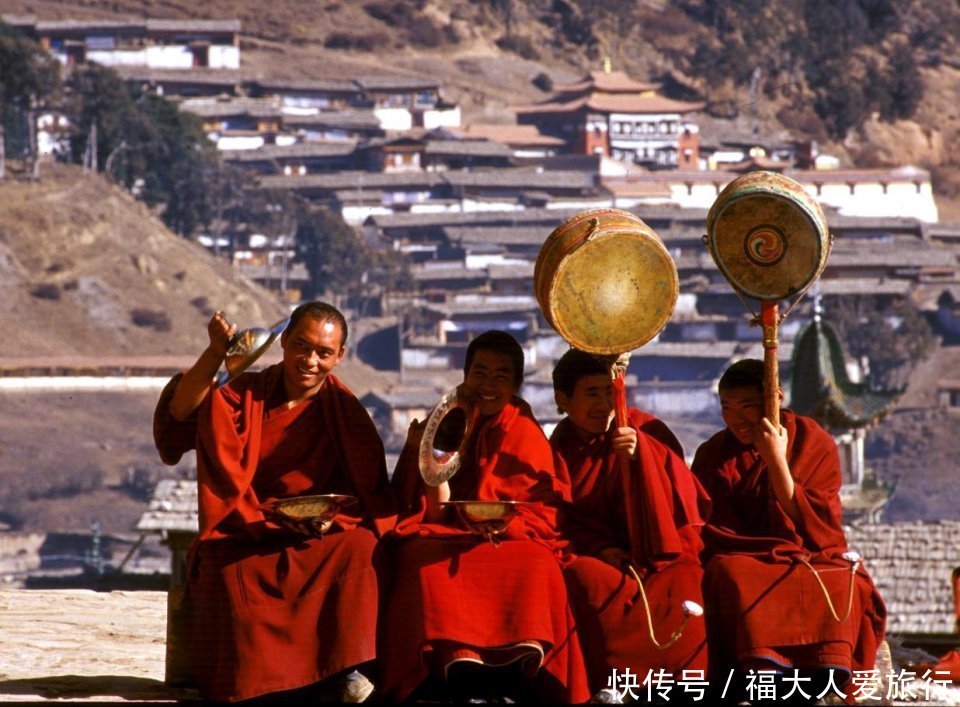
(762, 603)
(456, 596)
(667, 501)
(270, 610)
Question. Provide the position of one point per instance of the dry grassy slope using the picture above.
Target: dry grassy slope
(79, 255)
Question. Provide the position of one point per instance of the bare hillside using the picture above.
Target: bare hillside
(86, 269)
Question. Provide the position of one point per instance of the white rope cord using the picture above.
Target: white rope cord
(826, 594)
(675, 636)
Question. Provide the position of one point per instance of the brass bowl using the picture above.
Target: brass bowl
(321, 507)
(486, 518)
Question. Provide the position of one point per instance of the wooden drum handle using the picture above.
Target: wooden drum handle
(769, 320)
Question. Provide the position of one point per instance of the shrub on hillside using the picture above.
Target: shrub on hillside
(366, 42)
(520, 45)
(46, 290)
(153, 318)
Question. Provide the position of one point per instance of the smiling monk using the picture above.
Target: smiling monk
(471, 617)
(666, 500)
(782, 592)
(271, 609)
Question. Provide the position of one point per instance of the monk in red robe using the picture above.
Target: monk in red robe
(273, 610)
(782, 591)
(472, 617)
(665, 501)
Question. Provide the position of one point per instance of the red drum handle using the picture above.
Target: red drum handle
(769, 320)
(620, 419)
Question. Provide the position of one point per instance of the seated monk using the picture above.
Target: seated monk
(271, 609)
(780, 593)
(470, 617)
(664, 498)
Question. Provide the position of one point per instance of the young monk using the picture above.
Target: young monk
(777, 586)
(611, 617)
(464, 616)
(272, 610)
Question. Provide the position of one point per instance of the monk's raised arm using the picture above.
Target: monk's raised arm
(195, 383)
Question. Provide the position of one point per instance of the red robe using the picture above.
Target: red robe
(456, 596)
(270, 610)
(762, 603)
(611, 620)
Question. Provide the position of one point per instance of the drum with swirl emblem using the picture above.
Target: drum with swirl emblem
(768, 236)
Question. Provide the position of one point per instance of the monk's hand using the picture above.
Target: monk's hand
(625, 440)
(220, 331)
(771, 443)
(615, 557)
(415, 433)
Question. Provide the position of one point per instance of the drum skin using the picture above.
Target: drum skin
(767, 235)
(605, 281)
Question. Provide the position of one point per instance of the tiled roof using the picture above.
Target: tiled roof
(47, 26)
(513, 135)
(396, 83)
(173, 507)
(342, 119)
(512, 271)
(514, 179)
(688, 349)
(478, 148)
(911, 564)
(820, 387)
(354, 180)
(228, 78)
(218, 108)
(308, 85)
(613, 104)
(612, 81)
(835, 286)
(299, 150)
(504, 235)
(193, 25)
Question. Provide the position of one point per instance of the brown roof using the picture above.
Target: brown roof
(194, 75)
(218, 108)
(513, 135)
(603, 103)
(612, 82)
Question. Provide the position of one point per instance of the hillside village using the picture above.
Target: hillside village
(468, 204)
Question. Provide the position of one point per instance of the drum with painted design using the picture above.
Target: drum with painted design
(768, 236)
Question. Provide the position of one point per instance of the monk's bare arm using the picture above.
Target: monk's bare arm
(195, 383)
(772, 445)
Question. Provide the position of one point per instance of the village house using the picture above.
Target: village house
(239, 123)
(152, 43)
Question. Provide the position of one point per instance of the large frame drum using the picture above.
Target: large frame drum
(768, 236)
(605, 281)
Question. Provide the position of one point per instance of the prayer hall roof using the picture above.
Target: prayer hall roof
(821, 388)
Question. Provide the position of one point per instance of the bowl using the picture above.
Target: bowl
(321, 507)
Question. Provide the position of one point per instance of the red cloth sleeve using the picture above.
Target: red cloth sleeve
(173, 438)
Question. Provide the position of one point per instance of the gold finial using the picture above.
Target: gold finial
(607, 65)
